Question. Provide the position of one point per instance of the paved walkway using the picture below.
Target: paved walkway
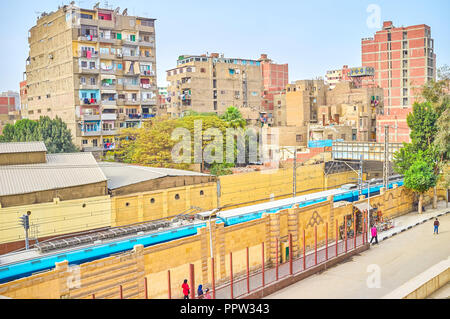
(413, 250)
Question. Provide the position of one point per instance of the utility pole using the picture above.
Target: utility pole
(295, 173)
(360, 174)
(386, 157)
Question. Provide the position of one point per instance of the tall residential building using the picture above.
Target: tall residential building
(95, 69)
(275, 79)
(213, 83)
(404, 60)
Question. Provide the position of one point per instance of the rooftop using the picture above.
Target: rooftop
(60, 171)
(120, 175)
(22, 147)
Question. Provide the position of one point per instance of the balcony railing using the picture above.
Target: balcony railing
(148, 101)
(98, 132)
(88, 38)
(134, 116)
(144, 43)
(88, 101)
(148, 116)
(132, 102)
(147, 86)
(109, 102)
(84, 54)
(148, 73)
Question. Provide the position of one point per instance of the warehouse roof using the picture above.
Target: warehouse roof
(60, 171)
(120, 175)
(22, 147)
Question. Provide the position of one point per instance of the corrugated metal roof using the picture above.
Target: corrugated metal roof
(22, 147)
(120, 175)
(60, 171)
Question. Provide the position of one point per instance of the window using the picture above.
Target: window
(330, 136)
(202, 193)
(299, 138)
(343, 137)
(177, 196)
(152, 201)
(203, 70)
(93, 81)
(83, 64)
(215, 105)
(84, 142)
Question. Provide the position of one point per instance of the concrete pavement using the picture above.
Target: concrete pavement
(397, 258)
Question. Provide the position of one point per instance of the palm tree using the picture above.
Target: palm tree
(234, 118)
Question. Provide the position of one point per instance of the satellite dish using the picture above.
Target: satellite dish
(125, 12)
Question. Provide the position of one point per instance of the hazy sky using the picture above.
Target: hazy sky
(312, 36)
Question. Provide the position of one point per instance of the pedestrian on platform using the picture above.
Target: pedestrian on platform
(186, 289)
(436, 227)
(200, 292)
(374, 232)
(207, 294)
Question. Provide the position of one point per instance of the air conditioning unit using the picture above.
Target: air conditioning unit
(119, 55)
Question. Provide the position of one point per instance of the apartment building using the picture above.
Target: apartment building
(275, 79)
(333, 77)
(404, 60)
(93, 68)
(9, 113)
(213, 83)
(354, 107)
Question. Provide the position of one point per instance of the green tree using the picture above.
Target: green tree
(420, 177)
(54, 133)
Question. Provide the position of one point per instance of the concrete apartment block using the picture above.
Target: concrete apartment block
(95, 69)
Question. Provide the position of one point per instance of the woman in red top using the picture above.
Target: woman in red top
(186, 289)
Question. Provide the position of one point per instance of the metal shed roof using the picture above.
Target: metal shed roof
(120, 175)
(22, 147)
(60, 171)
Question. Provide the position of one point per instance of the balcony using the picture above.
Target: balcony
(86, 70)
(148, 116)
(148, 87)
(148, 73)
(89, 101)
(88, 87)
(150, 44)
(145, 58)
(84, 54)
(108, 87)
(109, 102)
(132, 102)
(108, 71)
(106, 24)
(133, 117)
(148, 102)
(131, 87)
(84, 38)
(90, 22)
(107, 56)
(129, 42)
(145, 28)
(131, 57)
(107, 40)
(98, 133)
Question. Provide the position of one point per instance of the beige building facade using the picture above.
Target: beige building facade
(214, 83)
(95, 69)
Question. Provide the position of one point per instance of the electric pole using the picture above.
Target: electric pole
(386, 158)
(360, 175)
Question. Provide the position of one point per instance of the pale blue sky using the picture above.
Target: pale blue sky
(312, 36)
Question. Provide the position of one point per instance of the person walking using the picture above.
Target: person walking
(436, 227)
(374, 232)
(200, 292)
(186, 289)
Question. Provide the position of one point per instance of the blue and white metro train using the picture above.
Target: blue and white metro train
(15, 266)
